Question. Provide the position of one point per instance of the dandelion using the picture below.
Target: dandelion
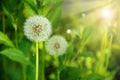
(37, 28)
(56, 45)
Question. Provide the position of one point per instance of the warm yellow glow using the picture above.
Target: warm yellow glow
(107, 13)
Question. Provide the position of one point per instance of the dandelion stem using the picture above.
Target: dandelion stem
(43, 73)
(58, 71)
(37, 61)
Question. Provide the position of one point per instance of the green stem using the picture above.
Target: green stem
(77, 54)
(3, 22)
(107, 61)
(38, 3)
(102, 54)
(58, 71)
(108, 54)
(4, 67)
(16, 39)
(24, 72)
(43, 65)
(4, 59)
(37, 61)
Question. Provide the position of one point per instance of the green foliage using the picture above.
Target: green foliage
(25, 46)
(92, 46)
(14, 71)
(70, 73)
(5, 40)
(54, 14)
(15, 55)
(68, 55)
(93, 76)
(31, 6)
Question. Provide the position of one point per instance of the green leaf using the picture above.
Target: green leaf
(87, 54)
(14, 71)
(6, 11)
(93, 76)
(70, 73)
(5, 40)
(15, 55)
(69, 53)
(55, 14)
(25, 46)
(86, 33)
(32, 5)
(46, 2)
(31, 73)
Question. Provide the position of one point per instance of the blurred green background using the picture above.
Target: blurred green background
(91, 27)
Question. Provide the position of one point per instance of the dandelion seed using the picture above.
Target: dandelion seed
(56, 45)
(37, 28)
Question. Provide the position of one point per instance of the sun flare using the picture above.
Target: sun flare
(107, 13)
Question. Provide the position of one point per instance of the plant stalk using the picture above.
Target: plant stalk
(43, 65)
(24, 72)
(37, 61)
(58, 71)
(3, 22)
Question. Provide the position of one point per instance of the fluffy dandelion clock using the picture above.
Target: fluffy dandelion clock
(37, 28)
(56, 45)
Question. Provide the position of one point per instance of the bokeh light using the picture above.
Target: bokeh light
(107, 13)
(68, 31)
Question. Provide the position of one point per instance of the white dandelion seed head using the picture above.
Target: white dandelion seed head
(56, 45)
(37, 28)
